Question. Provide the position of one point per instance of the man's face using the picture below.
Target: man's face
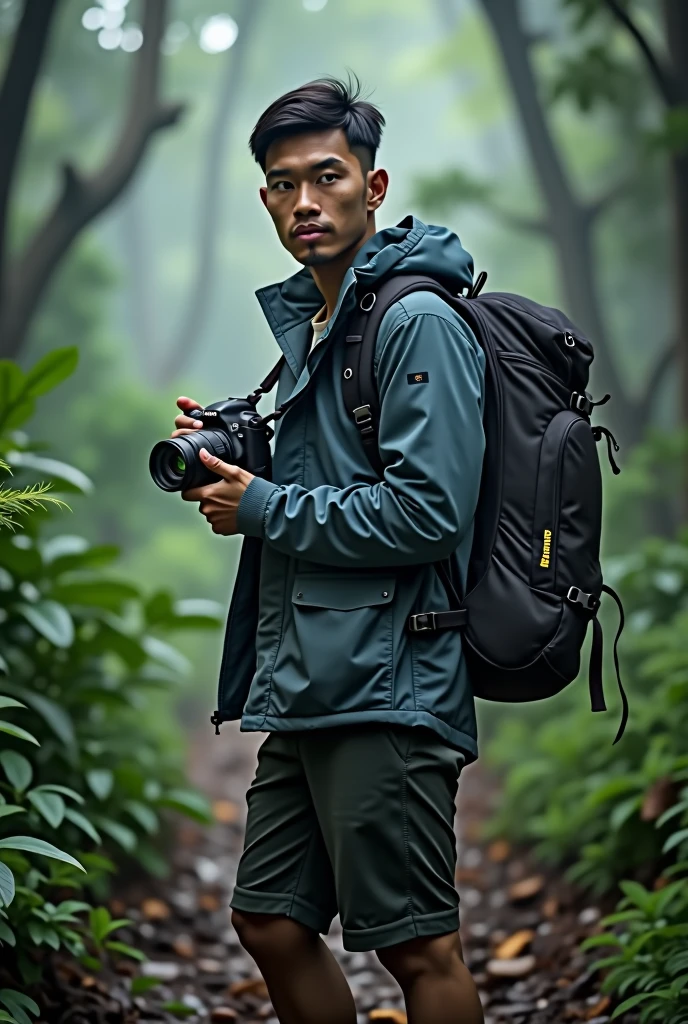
(318, 194)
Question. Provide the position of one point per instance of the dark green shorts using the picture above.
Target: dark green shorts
(356, 821)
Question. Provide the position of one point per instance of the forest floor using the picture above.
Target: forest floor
(521, 925)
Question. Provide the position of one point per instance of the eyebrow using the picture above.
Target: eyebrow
(322, 165)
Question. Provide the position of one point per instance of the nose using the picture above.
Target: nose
(306, 203)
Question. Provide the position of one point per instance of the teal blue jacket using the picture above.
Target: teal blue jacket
(334, 559)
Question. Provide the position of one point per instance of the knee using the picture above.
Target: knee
(266, 935)
(408, 961)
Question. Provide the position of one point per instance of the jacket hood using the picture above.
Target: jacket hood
(410, 247)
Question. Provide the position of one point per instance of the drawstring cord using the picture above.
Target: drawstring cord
(597, 433)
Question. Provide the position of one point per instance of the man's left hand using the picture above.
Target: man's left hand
(219, 502)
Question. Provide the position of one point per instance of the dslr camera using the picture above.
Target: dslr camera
(232, 430)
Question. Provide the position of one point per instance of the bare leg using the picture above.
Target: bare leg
(304, 980)
(437, 985)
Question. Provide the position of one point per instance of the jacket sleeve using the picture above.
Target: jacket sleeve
(432, 442)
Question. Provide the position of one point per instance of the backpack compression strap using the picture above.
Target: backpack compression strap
(597, 702)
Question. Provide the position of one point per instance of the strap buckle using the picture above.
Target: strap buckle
(364, 420)
(581, 403)
(589, 601)
(422, 622)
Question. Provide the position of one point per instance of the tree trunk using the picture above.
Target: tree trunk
(83, 198)
(214, 185)
(15, 99)
(569, 220)
(676, 20)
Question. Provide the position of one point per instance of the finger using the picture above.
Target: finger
(187, 421)
(187, 403)
(178, 433)
(223, 469)
(194, 494)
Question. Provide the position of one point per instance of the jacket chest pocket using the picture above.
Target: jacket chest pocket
(342, 643)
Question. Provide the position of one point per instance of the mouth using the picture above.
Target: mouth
(310, 232)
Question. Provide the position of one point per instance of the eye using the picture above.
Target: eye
(328, 174)
(276, 186)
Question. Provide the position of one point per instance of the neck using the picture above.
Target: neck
(329, 276)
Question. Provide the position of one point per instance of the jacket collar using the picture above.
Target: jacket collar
(290, 305)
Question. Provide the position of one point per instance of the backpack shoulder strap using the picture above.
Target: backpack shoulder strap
(359, 387)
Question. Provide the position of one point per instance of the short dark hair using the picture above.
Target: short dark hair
(322, 104)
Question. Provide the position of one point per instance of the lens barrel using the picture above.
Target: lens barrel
(175, 463)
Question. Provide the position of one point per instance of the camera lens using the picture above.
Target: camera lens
(175, 464)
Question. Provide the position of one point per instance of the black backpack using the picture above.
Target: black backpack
(534, 578)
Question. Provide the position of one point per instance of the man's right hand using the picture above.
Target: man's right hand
(186, 424)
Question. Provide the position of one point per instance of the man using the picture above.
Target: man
(353, 803)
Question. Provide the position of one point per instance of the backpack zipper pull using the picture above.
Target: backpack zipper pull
(597, 433)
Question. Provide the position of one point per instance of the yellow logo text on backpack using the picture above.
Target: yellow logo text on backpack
(544, 561)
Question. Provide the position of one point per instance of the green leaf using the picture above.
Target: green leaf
(5, 1017)
(83, 823)
(51, 370)
(100, 782)
(110, 594)
(6, 885)
(125, 950)
(70, 475)
(17, 769)
(166, 655)
(193, 804)
(55, 716)
(144, 984)
(18, 1003)
(51, 620)
(55, 787)
(92, 963)
(7, 935)
(146, 818)
(635, 1000)
(179, 1009)
(31, 845)
(20, 734)
(126, 837)
(675, 840)
(10, 702)
(7, 809)
(50, 805)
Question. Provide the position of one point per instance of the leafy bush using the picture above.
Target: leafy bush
(85, 764)
(652, 952)
(570, 791)
(608, 811)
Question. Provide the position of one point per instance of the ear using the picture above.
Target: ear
(263, 195)
(378, 182)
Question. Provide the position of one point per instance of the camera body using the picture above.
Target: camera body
(232, 430)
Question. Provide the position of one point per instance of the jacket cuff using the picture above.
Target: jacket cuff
(253, 507)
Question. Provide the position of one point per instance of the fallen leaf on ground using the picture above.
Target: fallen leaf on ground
(498, 851)
(387, 1013)
(251, 986)
(223, 1013)
(155, 910)
(550, 908)
(598, 1009)
(526, 888)
(514, 945)
(225, 812)
(184, 946)
(208, 901)
(516, 968)
(472, 875)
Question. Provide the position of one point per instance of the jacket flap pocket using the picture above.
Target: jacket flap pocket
(341, 592)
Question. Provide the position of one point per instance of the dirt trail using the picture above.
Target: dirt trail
(520, 925)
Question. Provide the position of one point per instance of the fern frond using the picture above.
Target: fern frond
(18, 503)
